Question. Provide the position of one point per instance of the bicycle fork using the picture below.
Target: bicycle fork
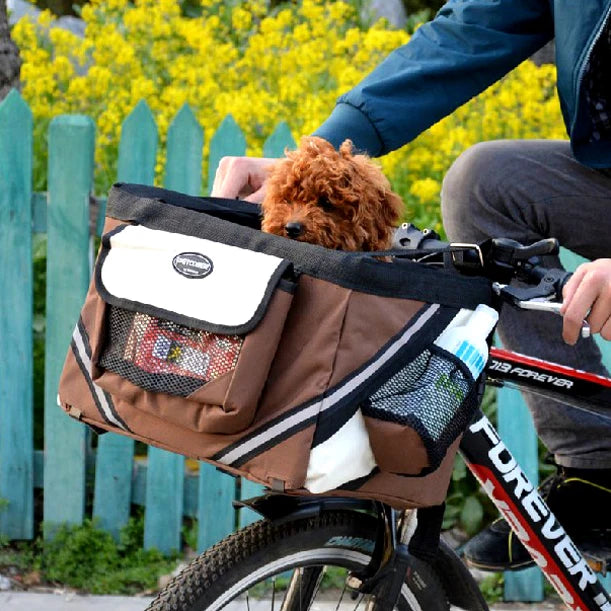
(530, 518)
(405, 541)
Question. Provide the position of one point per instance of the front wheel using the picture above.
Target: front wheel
(293, 566)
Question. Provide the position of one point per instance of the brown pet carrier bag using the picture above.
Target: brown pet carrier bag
(304, 369)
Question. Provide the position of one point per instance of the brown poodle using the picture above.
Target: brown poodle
(332, 198)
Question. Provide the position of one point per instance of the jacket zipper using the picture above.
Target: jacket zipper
(586, 61)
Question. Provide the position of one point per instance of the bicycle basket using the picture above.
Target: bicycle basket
(305, 369)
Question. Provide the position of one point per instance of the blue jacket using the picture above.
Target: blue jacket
(468, 46)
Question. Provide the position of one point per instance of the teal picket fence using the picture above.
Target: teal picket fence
(161, 481)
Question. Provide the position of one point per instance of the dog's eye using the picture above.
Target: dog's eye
(325, 204)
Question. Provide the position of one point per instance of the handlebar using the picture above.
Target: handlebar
(499, 259)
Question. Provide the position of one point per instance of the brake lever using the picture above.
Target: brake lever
(539, 304)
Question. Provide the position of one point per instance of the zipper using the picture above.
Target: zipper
(587, 60)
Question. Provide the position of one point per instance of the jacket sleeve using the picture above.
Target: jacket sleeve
(468, 46)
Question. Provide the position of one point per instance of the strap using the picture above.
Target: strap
(425, 540)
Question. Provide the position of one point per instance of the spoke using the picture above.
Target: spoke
(318, 582)
(247, 601)
(339, 602)
(300, 570)
(273, 592)
(359, 601)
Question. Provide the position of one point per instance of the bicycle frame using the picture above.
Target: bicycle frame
(514, 495)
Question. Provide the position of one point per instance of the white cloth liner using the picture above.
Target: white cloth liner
(345, 456)
(139, 268)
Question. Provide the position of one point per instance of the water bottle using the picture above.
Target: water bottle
(467, 339)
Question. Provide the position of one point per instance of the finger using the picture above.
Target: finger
(599, 312)
(232, 184)
(571, 286)
(605, 331)
(257, 196)
(577, 309)
(219, 177)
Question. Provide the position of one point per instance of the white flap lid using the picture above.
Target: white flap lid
(191, 281)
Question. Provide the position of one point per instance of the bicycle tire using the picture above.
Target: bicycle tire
(252, 555)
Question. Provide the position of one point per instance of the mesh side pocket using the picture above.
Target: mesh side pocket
(432, 395)
(163, 356)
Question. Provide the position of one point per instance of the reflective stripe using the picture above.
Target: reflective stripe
(102, 400)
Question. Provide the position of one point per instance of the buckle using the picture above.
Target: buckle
(458, 251)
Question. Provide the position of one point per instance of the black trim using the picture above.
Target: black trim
(113, 409)
(90, 383)
(134, 374)
(84, 336)
(234, 210)
(332, 419)
(85, 373)
(283, 270)
(357, 483)
(363, 273)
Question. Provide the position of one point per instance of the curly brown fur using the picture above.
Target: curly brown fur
(332, 198)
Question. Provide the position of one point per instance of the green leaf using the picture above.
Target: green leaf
(460, 469)
(472, 515)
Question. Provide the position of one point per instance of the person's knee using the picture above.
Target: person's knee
(471, 189)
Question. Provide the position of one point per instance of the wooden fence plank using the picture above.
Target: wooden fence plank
(281, 139)
(215, 512)
(165, 473)
(249, 490)
(164, 500)
(138, 147)
(227, 141)
(71, 144)
(514, 422)
(113, 481)
(217, 490)
(183, 170)
(16, 402)
(112, 493)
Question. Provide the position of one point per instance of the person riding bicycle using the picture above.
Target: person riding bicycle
(525, 189)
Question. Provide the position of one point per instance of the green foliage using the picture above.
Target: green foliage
(491, 588)
(86, 558)
(190, 531)
(3, 504)
(61, 7)
(417, 6)
(467, 507)
(22, 556)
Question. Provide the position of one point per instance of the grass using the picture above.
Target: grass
(88, 559)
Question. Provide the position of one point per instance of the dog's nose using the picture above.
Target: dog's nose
(293, 229)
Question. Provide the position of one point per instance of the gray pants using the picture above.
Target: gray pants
(528, 190)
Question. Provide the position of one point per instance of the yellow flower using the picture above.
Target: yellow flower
(425, 189)
(241, 19)
(262, 68)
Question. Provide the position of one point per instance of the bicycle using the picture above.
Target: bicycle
(383, 558)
